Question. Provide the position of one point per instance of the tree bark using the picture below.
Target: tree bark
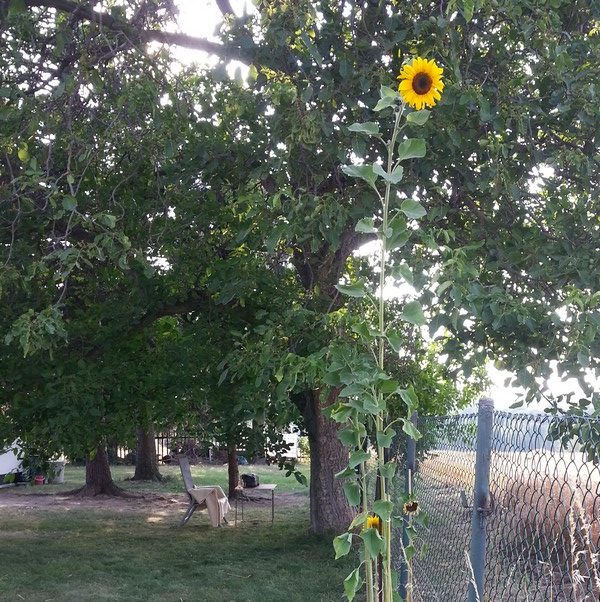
(98, 479)
(329, 509)
(233, 469)
(146, 462)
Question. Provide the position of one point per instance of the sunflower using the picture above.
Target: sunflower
(421, 83)
(373, 521)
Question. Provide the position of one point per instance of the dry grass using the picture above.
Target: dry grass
(544, 534)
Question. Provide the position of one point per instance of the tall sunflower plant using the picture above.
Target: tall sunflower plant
(366, 388)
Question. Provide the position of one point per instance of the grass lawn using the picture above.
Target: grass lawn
(65, 549)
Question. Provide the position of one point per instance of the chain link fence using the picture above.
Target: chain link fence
(542, 530)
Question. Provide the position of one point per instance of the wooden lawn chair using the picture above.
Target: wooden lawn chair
(212, 499)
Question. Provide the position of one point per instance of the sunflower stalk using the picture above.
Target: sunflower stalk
(420, 86)
(381, 416)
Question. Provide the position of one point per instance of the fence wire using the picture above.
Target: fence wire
(543, 534)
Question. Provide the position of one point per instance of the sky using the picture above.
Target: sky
(200, 18)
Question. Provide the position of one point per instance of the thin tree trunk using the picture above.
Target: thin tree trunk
(329, 509)
(98, 479)
(233, 469)
(146, 462)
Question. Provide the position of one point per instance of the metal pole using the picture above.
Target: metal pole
(410, 466)
(481, 497)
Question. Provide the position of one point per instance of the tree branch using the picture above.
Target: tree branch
(85, 13)
(225, 7)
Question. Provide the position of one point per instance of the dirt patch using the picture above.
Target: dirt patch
(146, 503)
(57, 501)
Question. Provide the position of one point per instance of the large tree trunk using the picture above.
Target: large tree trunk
(98, 480)
(329, 509)
(233, 469)
(146, 462)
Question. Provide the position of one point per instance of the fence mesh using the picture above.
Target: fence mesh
(543, 534)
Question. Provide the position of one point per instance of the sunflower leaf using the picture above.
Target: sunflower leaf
(411, 148)
(342, 544)
(352, 492)
(366, 226)
(369, 127)
(418, 117)
(410, 429)
(393, 177)
(352, 584)
(373, 542)
(365, 172)
(384, 103)
(387, 92)
(383, 509)
(387, 98)
(413, 209)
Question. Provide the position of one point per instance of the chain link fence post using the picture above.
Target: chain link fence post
(410, 466)
(481, 498)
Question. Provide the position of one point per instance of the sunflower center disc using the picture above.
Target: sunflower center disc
(421, 83)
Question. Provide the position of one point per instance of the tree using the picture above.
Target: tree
(519, 96)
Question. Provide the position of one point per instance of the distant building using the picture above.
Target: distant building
(9, 462)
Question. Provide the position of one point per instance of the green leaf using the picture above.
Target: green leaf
(418, 117)
(394, 177)
(373, 542)
(352, 290)
(347, 436)
(468, 9)
(384, 103)
(383, 509)
(387, 92)
(365, 225)
(583, 357)
(398, 233)
(359, 519)
(364, 172)
(409, 397)
(409, 551)
(413, 313)
(69, 203)
(384, 438)
(108, 220)
(346, 473)
(352, 390)
(388, 97)
(411, 148)
(352, 491)
(352, 584)
(412, 209)
(410, 429)
(369, 127)
(388, 470)
(358, 457)
(341, 412)
(403, 271)
(301, 478)
(16, 7)
(389, 386)
(442, 287)
(23, 152)
(342, 544)
(272, 240)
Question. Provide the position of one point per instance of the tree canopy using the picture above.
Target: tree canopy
(132, 193)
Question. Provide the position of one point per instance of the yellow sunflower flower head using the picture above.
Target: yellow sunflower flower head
(373, 521)
(421, 83)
